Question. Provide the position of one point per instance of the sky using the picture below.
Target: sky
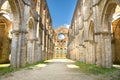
(61, 12)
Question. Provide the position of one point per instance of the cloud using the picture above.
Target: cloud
(66, 26)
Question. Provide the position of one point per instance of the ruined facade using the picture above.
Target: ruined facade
(61, 40)
(26, 33)
(94, 35)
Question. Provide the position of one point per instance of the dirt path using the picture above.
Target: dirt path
(57, 69)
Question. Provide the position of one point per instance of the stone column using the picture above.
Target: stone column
(36, 47)
(29, 51)
(102, 50)
(14, 47)
(91, 52)
(98, 49)
(33, 51)
(49, 48)
(23, 49)
(108, 51)
(43, 34)
(40, 46)
(46, 49)
(39, 57)
(86, 52)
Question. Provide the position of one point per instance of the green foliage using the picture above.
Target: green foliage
(93, 69)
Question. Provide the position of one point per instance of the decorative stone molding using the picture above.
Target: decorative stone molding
(104, 33)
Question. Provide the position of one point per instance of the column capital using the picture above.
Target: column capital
(103, 33)
(19, 31)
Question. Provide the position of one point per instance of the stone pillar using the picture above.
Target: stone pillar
(86, 53)
(46, 48)
(39, 57)
(23, 49)
(14, 47)
(29, 51)
(80, 52)
(36, 46)
(33, 51)
(83, 53)
(43, 34)
(91, 52)
(18, 49)
(40, 46)
(49, 48)
(108, 51)
(98, 49)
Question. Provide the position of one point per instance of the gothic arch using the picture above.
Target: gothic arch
(15, 8)
(5, 38)
(91, 44)
(107, 18)
(30, 39)
(91, 31)
(31, 24)
(107, 14)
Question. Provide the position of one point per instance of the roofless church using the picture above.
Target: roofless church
(27, 35)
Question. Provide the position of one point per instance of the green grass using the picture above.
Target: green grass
(8, 69)
(93, 69)
(41, 62)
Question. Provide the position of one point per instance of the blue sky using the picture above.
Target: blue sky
(61, 11)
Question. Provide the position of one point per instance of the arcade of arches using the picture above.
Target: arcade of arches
(27, 35)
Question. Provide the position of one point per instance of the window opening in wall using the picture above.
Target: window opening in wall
(60, 50)
(61, 36)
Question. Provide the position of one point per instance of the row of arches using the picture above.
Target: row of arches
(98, 26)
(22, 32)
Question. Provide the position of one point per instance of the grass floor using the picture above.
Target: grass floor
(93, 69)
(5, 68)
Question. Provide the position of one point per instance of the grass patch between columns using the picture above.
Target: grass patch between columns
(8, 69)
(93, 69)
